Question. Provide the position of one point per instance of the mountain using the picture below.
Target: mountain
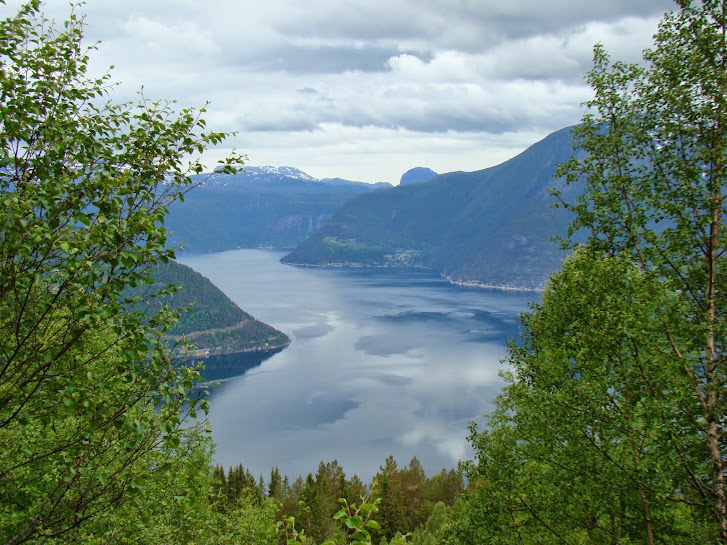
(492, 227)
(216, 325)
(261, 206)
(417, 175)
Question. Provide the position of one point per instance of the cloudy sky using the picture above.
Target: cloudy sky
(366, 89)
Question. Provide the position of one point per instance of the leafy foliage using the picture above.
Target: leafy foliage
(612, 427)
(594, 437)
(90, 407)
(356, 523)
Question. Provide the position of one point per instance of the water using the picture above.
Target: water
(382, 361)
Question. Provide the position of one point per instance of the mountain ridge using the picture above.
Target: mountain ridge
(490, 227)
(276, 207)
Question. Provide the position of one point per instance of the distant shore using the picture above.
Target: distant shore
(463, 283)
(474, 284)
(204, 352)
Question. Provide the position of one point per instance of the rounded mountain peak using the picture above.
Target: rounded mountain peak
(417, 175)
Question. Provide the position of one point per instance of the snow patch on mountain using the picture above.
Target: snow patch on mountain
(287, 172)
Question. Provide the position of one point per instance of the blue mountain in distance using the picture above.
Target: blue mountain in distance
(491, 227)
(417, 175)
(265, 206)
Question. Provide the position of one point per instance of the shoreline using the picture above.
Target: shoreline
(475, 284)
(462, 283)
(205, 353)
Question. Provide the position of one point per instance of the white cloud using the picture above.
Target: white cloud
(170, 41)
(453, 85)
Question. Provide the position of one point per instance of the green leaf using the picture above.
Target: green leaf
(354, 522)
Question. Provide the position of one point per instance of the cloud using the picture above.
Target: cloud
(179, 41)
(441, 72)
(453, 24)
(321, 59)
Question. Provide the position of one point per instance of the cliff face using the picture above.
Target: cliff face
(262, 206)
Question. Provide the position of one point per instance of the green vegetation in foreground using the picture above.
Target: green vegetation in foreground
(399, 502)
(94, 442)
(215, 324)
(611, 429)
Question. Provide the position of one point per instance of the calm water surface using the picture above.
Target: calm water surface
(381, 362)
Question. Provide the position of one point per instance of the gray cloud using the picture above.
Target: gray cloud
(342, 78)
(318, 59)
(461, 24)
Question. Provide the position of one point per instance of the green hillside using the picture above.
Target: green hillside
(490, 227)
(216, 324)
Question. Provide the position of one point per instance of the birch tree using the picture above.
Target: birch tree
(613, 427)
(90, 404)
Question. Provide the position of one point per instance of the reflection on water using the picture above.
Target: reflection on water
(381, 362)
(223, 366)
(320, 409)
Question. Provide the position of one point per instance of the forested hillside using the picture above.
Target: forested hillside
(491, 227)
(215, 324)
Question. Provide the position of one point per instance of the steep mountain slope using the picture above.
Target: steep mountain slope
(262, 206)
(490, 227)
(216, 325)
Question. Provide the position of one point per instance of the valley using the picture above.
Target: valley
(493, 227)
(381, 362)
